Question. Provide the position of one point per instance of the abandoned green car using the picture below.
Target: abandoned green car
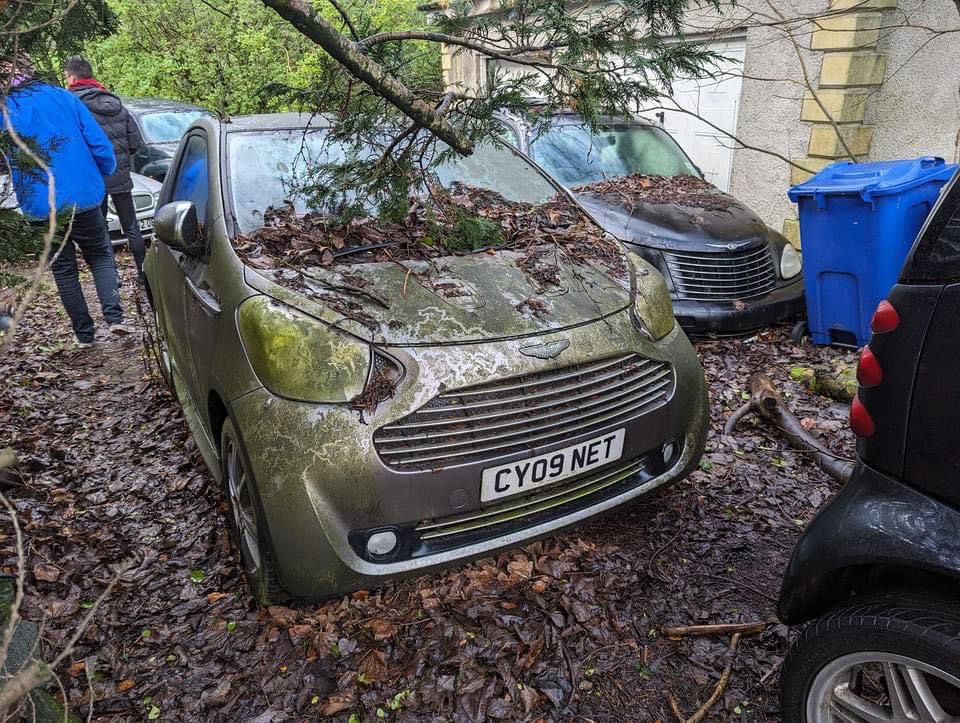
(369, 423)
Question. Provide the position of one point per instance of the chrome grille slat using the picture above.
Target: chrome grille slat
(724, 276)
(617, 394)
(514, 415)
(648, 377)
(529, 434)
(524, 397)
(526, 506)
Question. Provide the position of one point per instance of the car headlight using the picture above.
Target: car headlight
(156, 198)
(110, 207)
(791, 263)
(298, 357)
(652, 307)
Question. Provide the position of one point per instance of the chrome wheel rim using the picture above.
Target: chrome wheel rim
(868, 687)
(241, 504)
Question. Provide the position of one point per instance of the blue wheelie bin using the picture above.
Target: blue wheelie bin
(857, 224)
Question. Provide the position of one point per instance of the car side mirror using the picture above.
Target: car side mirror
(176, 225)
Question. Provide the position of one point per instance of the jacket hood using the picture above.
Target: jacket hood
(475, 298)
(674, 225)
(101, 102)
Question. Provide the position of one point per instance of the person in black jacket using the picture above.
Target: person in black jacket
(123, 133)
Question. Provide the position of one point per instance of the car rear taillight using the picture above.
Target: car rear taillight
(860, 420)
(869, 371)
(885, 318)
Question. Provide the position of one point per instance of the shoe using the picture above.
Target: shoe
(120, 329)
(84, 344)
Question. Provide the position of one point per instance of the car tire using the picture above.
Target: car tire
(162, 349)
(247, 522)
(848, 658)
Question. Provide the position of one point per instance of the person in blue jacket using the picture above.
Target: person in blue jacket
(79, 155)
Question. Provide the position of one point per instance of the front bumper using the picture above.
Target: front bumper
(875, 525)
(741, 317)
(144, 218)
(324, 487)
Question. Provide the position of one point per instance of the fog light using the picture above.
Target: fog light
(669, 452)
(382, 543)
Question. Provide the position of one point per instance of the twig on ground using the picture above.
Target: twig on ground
(675, 708)
(721, 684)
(678, 631)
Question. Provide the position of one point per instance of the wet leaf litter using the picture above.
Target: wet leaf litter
(569, 626)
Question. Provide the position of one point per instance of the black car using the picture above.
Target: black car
(876, 575)
(728, 272)
(162, 124)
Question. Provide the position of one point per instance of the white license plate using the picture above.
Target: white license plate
(528, 474)
(146, 224)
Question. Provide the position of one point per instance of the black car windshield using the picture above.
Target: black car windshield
(267, 167)
(575, 156)
(168, 126)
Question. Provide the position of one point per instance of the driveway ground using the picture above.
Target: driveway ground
(568, 628)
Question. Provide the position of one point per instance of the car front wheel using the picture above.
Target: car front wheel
(894, 657)
(247, 521)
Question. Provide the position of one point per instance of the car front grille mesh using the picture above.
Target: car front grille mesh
(519, 414)
(142, 202)
(725, 276)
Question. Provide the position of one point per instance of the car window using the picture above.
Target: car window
(192, 176)
(168, 126)
(575, 156)
(935, 256)
(506, 132)
(269, 168)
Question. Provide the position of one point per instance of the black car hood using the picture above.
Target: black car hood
(164, 149)
(673, 225)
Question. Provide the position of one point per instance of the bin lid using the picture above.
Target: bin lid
(869, 180)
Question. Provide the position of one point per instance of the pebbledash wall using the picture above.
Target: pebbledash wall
(889, 81)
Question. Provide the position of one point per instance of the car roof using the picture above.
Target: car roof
(149, 105)
(275, 121)
(574, 117)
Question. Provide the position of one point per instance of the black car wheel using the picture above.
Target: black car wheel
(247, 521)
(889, 658)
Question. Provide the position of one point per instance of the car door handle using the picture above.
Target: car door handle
(207, 300)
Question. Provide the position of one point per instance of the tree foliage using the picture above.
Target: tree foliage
(235, 57)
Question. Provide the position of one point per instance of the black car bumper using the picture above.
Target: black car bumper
(877, 532)
(740, 317)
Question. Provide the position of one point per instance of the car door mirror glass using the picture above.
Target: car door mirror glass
(176, 225)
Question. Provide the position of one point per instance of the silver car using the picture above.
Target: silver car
(146, 191)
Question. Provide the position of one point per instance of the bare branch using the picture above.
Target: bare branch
(346, 19)
(304, 18)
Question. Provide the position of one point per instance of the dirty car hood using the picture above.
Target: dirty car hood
(477, 297)
(672, 225)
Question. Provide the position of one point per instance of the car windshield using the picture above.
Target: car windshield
(168, 126)
(266, 169)
(575, 156)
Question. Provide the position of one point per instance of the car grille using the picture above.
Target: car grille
(724, 276)
(519, 414)
(447, 529)
(142, 202)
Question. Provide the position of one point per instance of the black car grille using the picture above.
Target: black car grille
(142, 202)
(725, 276)
(519, 414)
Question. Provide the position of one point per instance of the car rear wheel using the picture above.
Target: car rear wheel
(888, 658)
(247, 520)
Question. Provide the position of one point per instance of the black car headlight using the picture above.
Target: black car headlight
(299, 357)
(791, 262)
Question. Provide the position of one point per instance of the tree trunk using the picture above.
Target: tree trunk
(304, 18)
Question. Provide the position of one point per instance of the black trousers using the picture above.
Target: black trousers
(89, 234)
(123, 203)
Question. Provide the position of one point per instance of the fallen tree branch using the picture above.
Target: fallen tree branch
(678, 631)
(767, 402)
(721, 684)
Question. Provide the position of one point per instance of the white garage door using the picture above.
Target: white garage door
(717, 101)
